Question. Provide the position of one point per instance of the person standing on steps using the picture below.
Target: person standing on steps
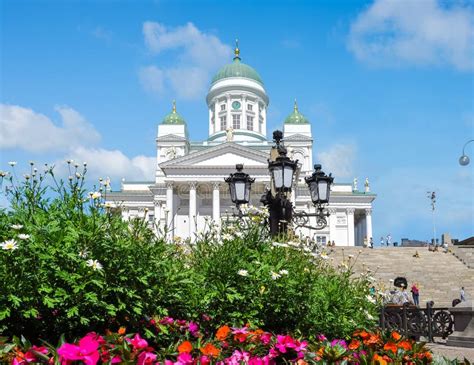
(371, 242)
(463, 295)
(389, 240)
(415, 293)
(381, 241)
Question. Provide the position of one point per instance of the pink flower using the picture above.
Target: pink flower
(184, 358)
(166, 320)
(116, 360)
(321, 337)
(146, 358)
(169, 362)
(266, 338)
(86, 351)
(137, 342)
(204, 360)
(30, 355)
(193, 328)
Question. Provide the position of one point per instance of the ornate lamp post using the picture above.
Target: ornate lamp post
(464, 159)
(282, 171)
(240, 184)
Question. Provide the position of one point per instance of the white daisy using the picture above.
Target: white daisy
(9, 245)
(275, 275)
(324, 256)
(16, 226)
(96, 195)
(283, 272)
(83, 254)
(96, 265)
(226, 237)
(243, 272)
(23, 236)
(12, 163)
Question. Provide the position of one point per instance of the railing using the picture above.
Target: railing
(413, 321)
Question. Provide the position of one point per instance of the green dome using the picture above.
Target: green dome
(237, 69)
(174, 117)
(296, 117)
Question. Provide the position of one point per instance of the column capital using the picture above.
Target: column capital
(193, 185)
(368, 211)
(332, 211)
(216, 185)
(350, 211)
(169, 185)
(157, 203)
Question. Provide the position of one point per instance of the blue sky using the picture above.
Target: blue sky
(388, 87)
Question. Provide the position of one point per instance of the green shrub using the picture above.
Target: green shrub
(71, 265)
(79, 266)
(280, 287)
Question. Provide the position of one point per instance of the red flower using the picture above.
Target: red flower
(222, 333)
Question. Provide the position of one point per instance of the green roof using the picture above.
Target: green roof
(296, 117)
(174, 117)
(237, 69)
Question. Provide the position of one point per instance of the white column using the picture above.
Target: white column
(157, 213)
(217, 120)
(256, 125)
(332, 225)
(228, 106)
(243, 122)
(368, 223)
(169, 211)
(350, 226)
(216, 203)
(192, 210)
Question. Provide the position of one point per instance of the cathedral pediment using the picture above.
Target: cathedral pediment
(298, 137)
(225, 155)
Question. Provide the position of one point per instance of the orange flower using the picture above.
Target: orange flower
(354, 344)
(390, 346)
(373, 339)
(380, 360)
(301, 362)
(122, 330)
(210, 350)
(396, 336)
(405, 345)
(185, 347)
(362, 333)
(222, 333)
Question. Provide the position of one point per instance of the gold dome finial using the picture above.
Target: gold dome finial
(174, 106)
(296, 106)
(236, 50)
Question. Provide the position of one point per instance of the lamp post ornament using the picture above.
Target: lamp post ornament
(282, 169)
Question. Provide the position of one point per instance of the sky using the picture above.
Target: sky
(387, 85)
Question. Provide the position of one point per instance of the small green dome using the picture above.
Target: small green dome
(174, 117)
(296, 117)
(237, 69)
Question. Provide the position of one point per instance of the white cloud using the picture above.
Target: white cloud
(391, 33)
(152, 79)
(113, 163)
(339, 160)
(198, 55)
(23, 128)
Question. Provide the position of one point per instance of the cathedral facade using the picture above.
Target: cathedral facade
(189, 188)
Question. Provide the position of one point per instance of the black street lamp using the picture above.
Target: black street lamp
(240, 184)
(319, 185)
(282, 171)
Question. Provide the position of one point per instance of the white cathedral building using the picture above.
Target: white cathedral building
(189, 187)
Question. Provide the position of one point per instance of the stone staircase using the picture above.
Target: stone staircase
(465, 254)
(440, 275)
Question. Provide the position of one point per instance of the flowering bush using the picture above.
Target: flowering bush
(174, 342)
(70, 265)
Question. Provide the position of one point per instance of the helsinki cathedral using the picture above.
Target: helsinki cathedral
(189, 187)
